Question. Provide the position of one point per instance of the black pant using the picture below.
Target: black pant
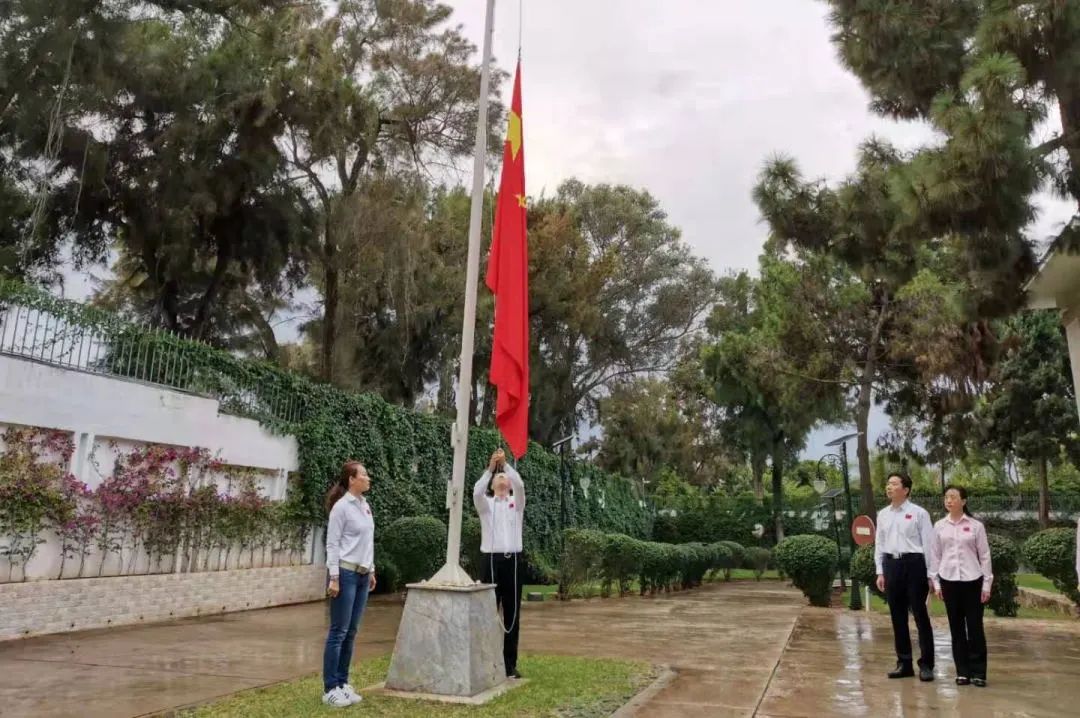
(500, 570)
(963, 601)
(906, 589)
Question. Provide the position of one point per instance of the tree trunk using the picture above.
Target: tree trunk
(862, 414)
(330, 309)
(1044, 494)
(757, 468)
(444, 402)
(1069, 110)
(862, 449)
(778, 488)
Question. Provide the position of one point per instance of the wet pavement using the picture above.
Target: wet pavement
(740, 649)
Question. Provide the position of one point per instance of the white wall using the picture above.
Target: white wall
(33, 394)
(107, 417)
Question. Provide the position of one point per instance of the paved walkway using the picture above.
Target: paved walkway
(740, 649)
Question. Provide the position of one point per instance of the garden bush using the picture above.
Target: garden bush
(1052, 553)
(737, 558)
(621, 563)
(863, 570)
(583, 555)
(1005, 562)
(757, 559)
(811, 563)
(416, 545)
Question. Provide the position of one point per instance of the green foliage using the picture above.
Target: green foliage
(736, 559)
(863, 569)
(1052, 553)
(416, 545)
(1005, 562)
(758, 559)
(810, 561)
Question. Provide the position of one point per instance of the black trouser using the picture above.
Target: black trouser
(500, 569)
(963, 601)
(906, 589)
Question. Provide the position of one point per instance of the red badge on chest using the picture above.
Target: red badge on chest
(908, 517)
(968, 529)
(511, 506)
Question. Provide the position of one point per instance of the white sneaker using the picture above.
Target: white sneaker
(337, 698)
(352, 694)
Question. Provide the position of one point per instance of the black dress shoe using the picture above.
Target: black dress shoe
(926, 674)
(514, 674)
(961, 681)
(903, 670)
(980, 682)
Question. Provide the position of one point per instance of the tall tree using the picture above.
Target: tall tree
(1030, 409)
(377, 86)
(984, 72)
(902, 305)
(155, 125)
(614, 293)
(765, 377)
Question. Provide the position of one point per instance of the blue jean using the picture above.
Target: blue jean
(346, 610)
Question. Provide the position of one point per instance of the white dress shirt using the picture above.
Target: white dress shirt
(350, 534)
(903, 529)
(960, 551)
(501, 520)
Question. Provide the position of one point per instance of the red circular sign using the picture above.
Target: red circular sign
(862, 530)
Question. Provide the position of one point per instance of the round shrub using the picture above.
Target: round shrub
(738, 558)
(620, 563)
(757, 559)
(1005, 562)
(388, 576)
(1052, 553)
(811, 562)
(416, 545)
(863, 570)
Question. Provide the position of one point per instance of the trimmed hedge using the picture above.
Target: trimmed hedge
(617, 560)
(738, 557)
(811, 563)
(1052, 553)
(758, 560)
(416, 546)
(1004, 562)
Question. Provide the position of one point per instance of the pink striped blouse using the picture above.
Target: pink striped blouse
(960, 551)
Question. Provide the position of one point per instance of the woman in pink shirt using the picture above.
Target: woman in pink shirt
(960, 566)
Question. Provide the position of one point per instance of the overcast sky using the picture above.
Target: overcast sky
(688, 98)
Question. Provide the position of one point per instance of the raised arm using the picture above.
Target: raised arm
(519, 487)
(478, 498)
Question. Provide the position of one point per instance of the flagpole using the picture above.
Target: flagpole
(451, 573)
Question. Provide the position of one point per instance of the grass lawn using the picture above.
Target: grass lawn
(549, 591)
(557, 685)
(937, 608)
(1034, 580)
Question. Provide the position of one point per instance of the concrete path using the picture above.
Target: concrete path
(740, 649)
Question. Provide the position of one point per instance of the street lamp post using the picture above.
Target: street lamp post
(562, 445)
(856, 597)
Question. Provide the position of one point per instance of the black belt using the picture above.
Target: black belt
(899, 556)
(500, 554)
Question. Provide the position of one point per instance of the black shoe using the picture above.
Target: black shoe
(903, 670)
(961, 681)
(514, 674)
(980, 682)
(926, 674)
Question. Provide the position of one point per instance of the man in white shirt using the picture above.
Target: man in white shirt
(502, 516)
(902, 556)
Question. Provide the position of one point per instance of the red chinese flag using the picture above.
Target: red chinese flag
(508, 279)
